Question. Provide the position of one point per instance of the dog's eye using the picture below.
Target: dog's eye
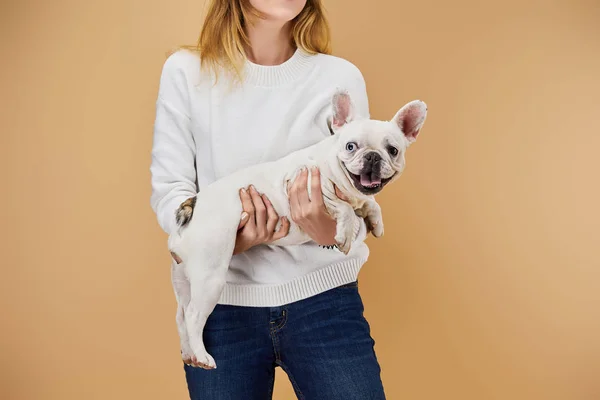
(351, 146)
(393, 151)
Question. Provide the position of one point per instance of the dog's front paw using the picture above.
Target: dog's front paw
(373, 218)
(375, 227)
(343, 242)
(345, 229)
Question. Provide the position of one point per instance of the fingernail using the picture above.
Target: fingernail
(315, 168)
(243, 190)
(244, 215)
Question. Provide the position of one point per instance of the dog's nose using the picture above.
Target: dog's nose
(372, 157)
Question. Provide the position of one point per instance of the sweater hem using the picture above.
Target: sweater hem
(301, 288)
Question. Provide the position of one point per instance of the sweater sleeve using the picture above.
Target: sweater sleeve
(172, 167)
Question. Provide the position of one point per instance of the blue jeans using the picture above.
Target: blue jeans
(323, 343)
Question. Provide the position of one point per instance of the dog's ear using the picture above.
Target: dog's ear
(343, 109)
(410, 119)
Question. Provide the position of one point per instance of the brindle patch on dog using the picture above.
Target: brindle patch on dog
(185, 211)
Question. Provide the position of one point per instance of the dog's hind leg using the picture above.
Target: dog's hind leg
(207, 265)
(181, 287)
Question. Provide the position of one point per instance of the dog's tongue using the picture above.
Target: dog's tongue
(369, 180)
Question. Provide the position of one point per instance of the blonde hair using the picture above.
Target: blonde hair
(223, 39)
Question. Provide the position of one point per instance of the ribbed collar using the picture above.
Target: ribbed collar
(274, 75)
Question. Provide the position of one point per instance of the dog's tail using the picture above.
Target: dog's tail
(185, 212)
(183, 216)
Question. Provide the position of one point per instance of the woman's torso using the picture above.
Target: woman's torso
(276, 111)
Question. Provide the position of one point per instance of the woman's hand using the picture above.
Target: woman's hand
(310, 214)
(258, 222)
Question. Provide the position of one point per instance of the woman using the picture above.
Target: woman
(256, 88)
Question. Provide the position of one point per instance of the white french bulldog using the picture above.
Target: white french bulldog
(359, 158)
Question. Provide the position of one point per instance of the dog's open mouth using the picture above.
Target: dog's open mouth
(367, 183)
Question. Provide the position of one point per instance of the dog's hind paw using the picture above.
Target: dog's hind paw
(184, 213)
(204, 361)
(186, 357)
(186, 352)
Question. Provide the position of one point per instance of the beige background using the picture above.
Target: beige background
(486, 285)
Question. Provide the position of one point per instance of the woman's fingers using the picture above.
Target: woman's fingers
(247, 226)
(293, 199)
(259, 218)
(315, 187)
(298, 195)
(243, 220)
(272, 216)
(247, 204)
(284, 229)
(302, 191)
(260, 213)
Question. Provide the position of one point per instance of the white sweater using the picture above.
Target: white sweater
(204, 132)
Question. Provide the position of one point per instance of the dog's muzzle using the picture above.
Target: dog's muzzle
(369, 181)
(370, 175)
